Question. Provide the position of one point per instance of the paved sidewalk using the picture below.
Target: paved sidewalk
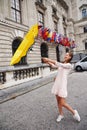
(37, 110)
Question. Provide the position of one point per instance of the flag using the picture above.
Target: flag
(25, 44)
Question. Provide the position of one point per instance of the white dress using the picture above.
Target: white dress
(60, 84)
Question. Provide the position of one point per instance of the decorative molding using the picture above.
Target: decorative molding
(81, 20)
(9, 23)
(40, 5)
(70, 20)
(82, 6)
(63, 3)
(55, 17)
(53, 7)
(85, 40)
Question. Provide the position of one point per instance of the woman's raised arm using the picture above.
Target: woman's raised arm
(48, 60)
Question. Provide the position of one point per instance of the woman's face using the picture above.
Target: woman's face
(67, 57)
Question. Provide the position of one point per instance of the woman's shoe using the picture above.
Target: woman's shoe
(60, 117)
(76, 116)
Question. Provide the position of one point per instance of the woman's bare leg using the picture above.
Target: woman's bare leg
(59, 105)
(64, 104)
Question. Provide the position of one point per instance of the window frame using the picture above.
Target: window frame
(41, 22)
(85, 29)
(84, 13)
(85, 45)
(55, 26)
(14, 8)
(65, 31)
(44, 50)
(54, 11)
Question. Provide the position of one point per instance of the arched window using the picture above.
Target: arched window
(57, 53)
(44, 50)
(15, 45)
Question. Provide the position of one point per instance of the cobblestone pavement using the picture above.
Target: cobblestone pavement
(37, 110)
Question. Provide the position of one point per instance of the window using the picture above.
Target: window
(55, 18)
(41, 18)
(16, 10)
(15, 45)
(84, 60)
(65, 33)
(54, 11)
(85, 29)
(84, 13)
(44, 50)
(86, 46)
(64, 19)
(55, 26)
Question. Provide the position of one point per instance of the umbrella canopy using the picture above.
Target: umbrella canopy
(27, 42)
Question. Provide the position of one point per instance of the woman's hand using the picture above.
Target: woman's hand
(50, 62)
(45, 59)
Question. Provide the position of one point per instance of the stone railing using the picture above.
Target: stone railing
(25, 73)
(11, 76)
(2, 77)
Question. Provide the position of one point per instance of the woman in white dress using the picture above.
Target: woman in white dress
(60, 85)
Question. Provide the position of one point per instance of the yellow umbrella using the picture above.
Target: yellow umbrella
(25, 45)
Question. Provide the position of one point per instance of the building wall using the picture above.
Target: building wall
(80, 36)
(9, 29)
(79, 23)
(34, 56)
(8, 32)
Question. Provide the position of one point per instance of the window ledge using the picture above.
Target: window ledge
(81, 20)
(21, 67)
(10, 23)
(17, 23)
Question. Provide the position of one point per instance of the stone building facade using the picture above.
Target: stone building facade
(17, 16)
(79, 20)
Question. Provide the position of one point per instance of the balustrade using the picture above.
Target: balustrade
(2, 77)
(11, 74)
(25, 73)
